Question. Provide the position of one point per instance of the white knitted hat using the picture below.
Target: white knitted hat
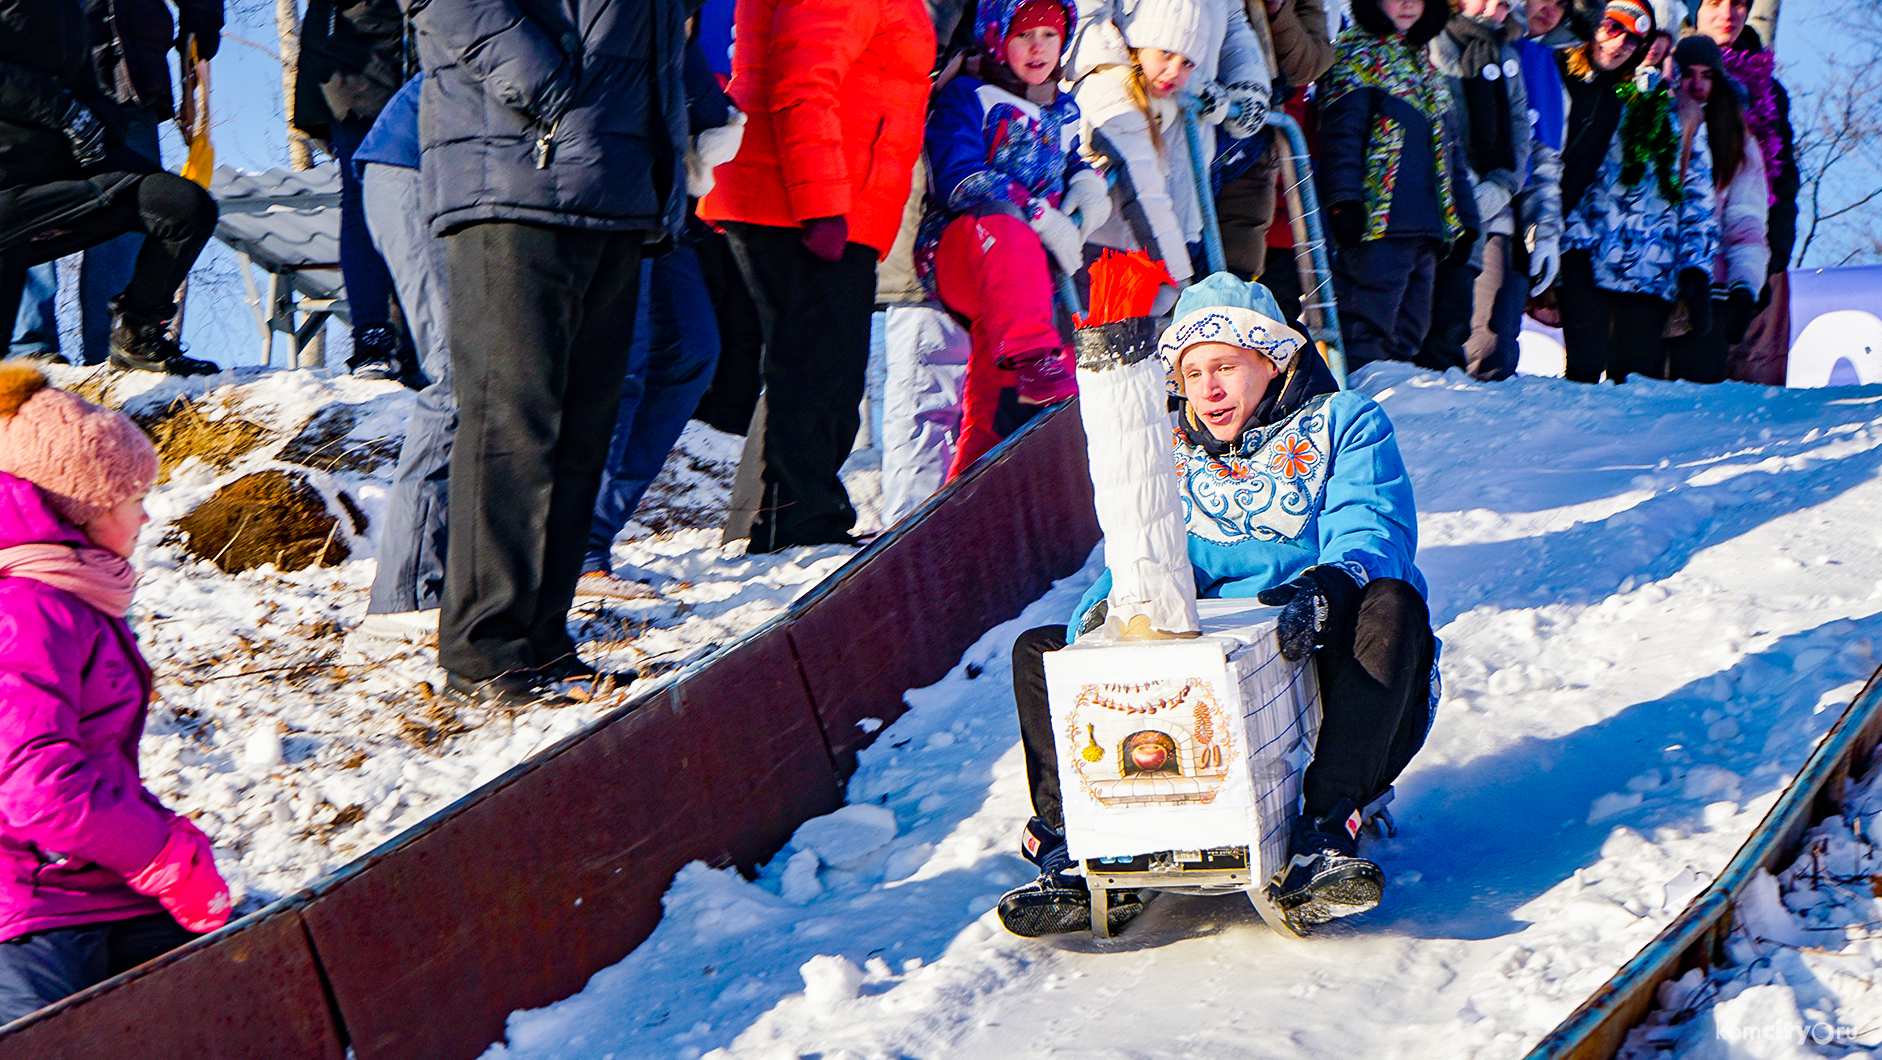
(1179, 26)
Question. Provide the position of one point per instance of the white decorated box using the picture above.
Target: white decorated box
(1184, 744)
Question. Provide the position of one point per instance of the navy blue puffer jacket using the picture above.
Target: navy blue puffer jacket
(598, 81)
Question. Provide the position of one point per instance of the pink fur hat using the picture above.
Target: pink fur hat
(85, 459)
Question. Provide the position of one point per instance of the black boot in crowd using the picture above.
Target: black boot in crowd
(1058, 901)
(375, 353)
(1325, 878)
(143, 344)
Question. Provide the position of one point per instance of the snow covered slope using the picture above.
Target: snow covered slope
(1653, 598)
(298, 748)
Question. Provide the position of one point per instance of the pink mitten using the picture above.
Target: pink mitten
(183, 879)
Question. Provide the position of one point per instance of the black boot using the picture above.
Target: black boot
(1058, 902)
(142, 344)
(1325, 878)
(375, 353)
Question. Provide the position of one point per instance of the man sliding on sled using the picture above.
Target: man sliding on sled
(1294, 493)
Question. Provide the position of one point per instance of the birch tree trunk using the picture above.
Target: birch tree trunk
(287, 24)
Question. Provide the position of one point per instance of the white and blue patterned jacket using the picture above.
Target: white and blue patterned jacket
(1639, 242)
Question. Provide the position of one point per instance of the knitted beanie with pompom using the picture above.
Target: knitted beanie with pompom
(85, 459)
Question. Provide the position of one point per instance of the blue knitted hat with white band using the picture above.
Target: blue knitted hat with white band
(1225, 308)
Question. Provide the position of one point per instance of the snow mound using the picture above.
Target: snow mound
(1616, 572)
(299, 746)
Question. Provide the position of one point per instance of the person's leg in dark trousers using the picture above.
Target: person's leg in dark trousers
(36, 323)
(1636, 347)
(42, 967)
(676, 346)
(728, 403)
(1414, 308)
(815, 316)
(411, 542)
(1035, 722)
(1282, 279)
(1506, 319)
(1587, 318)
(1699, 357)
(540, 322)
(1372, 281)
(368, 281)
(1453, 299)
(1375, 695)
(1244, 211)
(107, 267)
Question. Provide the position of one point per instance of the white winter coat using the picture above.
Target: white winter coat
(1743, 208)
(1153, 196)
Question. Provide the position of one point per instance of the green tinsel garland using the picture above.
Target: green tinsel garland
(1647, 138)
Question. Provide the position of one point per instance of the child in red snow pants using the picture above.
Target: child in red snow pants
(991, 269)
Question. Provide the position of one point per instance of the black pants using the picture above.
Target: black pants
(1384, 291)
(48, 966)
(177, 217)
(1375, 694)
(1608, 331)
(815, 316)
(541, 322)
(1705, 356)
(728, 404)
(1453, 294)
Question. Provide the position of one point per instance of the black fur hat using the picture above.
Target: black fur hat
(1373, 20)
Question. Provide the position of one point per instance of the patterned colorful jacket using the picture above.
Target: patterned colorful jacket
(1642, 235)
(1387, 141)
(1323, 486)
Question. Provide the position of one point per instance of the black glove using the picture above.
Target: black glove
(1735, 313)
(1317, 601)
(1346, 223)
(208, 36)
(1459, 254)
(1695, 289)
(86, 134)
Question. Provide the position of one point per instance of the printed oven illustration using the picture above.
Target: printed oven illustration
(1183, 744)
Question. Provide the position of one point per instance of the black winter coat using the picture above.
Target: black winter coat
(599, 82)
(131, 41)
(45, 64)
(353, 58)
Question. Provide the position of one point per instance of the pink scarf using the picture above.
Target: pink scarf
(102, 579)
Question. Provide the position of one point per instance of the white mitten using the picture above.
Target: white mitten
(712, 149)
(1248, 109)
(1212, 100)
(1088, 200)
(1061, 238)
(1545, 264)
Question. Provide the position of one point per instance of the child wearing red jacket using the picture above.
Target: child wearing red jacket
(96, 876)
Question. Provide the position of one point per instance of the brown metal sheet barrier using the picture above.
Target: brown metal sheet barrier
(251, 994)
(981, 552)
(515, 895)
(514, 899)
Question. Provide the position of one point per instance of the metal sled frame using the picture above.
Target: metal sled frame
(1217, 870)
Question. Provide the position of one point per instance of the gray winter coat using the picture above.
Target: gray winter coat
(569, 113)
(1535, 183)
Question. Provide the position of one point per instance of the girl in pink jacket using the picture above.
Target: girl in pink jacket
(95, 875)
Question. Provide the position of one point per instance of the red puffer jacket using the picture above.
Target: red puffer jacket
(836, 92)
